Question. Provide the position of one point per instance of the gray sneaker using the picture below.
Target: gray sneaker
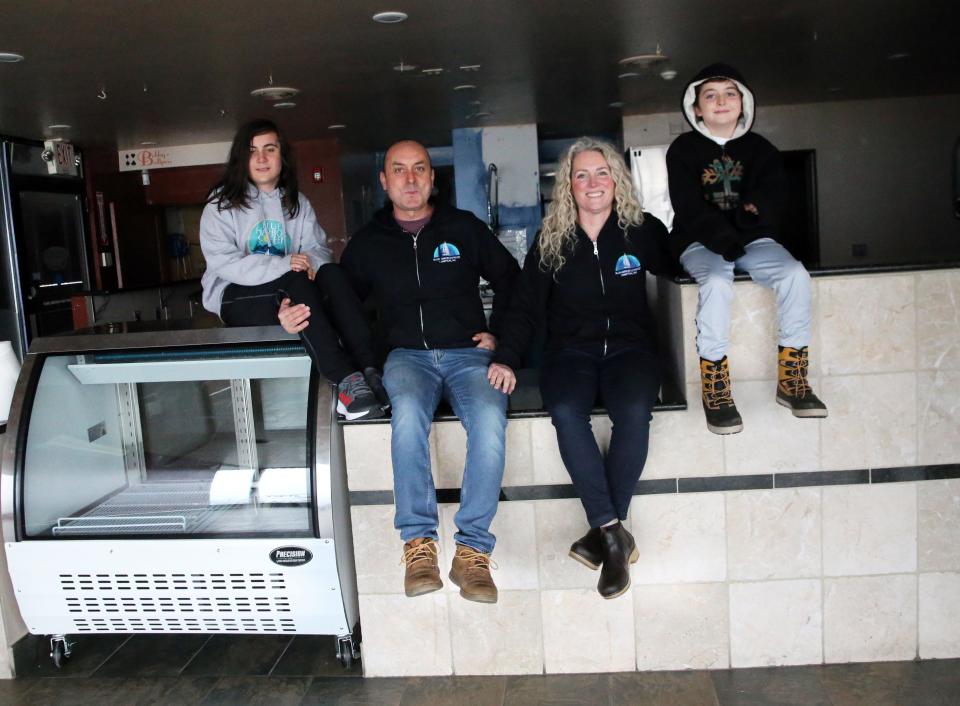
(355, 399)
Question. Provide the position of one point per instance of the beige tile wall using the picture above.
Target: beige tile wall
(737, 578)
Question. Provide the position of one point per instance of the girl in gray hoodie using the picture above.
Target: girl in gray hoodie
(264, 249)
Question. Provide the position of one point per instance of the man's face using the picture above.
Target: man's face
(719, 104)
(408, 179)
(265, 164)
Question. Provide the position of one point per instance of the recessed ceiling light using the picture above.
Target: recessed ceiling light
(644, 60)
(403, 68)
(628, 74)
(285, 104)
(668, 74)
(59, 126)
(390, 17)
(336, 126)
(464, 87)
(896, 56)
(147, 143)
(470, 67)
(275, 93)
(9, 57)
(616, 104)
(482, 114)
(436, 71)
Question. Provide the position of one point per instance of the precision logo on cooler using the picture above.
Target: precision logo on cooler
(290, 556)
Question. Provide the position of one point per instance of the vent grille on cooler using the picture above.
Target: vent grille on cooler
(172, 582)
(184, 624)
(208, 602)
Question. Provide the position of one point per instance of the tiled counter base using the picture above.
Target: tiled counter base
(794, 542)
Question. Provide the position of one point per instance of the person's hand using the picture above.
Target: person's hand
(485, 340)
(293, 318)
(502, 377)
(311, 273)
(750, 208)
(300, 262)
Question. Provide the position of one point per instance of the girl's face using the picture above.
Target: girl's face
(265, 163)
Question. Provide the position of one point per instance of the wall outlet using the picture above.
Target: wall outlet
(858, 250)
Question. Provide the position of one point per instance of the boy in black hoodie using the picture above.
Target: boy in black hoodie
(727, 188)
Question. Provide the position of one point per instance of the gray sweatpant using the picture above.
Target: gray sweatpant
(769, 264)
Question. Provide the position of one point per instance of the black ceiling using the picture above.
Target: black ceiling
(169, 67)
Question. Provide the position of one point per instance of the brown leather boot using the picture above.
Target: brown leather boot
(471, 572)
(423, 574)
(793, 390)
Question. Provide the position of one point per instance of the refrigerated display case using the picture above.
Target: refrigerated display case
(177, 480)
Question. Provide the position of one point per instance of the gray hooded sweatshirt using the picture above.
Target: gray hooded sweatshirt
(252, 246)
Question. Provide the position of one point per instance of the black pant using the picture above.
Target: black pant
(335, 314)
(628, 381)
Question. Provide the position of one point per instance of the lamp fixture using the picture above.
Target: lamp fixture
(668, 74)
(285, 104)
(389, 17)
(9, 57)
(336, 126)
(464, 87)
(645, 61)
(59, 126)
(275, 93)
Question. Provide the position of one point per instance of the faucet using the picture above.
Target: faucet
(493, 197)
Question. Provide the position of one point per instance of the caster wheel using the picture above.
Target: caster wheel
(346, 659)
(58, 654)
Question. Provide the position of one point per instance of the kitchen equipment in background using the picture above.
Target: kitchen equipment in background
(44, 257)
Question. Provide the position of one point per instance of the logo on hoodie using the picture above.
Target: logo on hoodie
(627, 265)
(446, 252)
(721, 179)
(269, 238)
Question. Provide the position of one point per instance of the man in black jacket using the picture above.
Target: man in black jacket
(727, 187)
(423, 266)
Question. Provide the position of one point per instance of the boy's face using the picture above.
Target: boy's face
(719, 105)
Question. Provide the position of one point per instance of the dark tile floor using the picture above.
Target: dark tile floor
(276, 671)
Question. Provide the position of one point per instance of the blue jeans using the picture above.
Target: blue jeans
(627, 380)
(415, 381)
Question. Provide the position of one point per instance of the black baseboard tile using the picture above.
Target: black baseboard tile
(371, 497)
(708, 484)
(656, 487)
(814, 478)
(559, 491)
(914, 473)
(448, 495)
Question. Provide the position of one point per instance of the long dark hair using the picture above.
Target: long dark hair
(231, 190)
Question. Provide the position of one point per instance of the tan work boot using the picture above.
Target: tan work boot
(471, 572)
(793, 390)
(718, 407)
(423, 573)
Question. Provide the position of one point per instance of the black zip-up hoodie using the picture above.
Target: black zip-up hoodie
(427, 286)
(598, 296)
(710, 183)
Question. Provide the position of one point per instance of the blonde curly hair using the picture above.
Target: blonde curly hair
(557, 237)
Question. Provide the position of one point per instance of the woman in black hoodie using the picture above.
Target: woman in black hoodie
(585, 276)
